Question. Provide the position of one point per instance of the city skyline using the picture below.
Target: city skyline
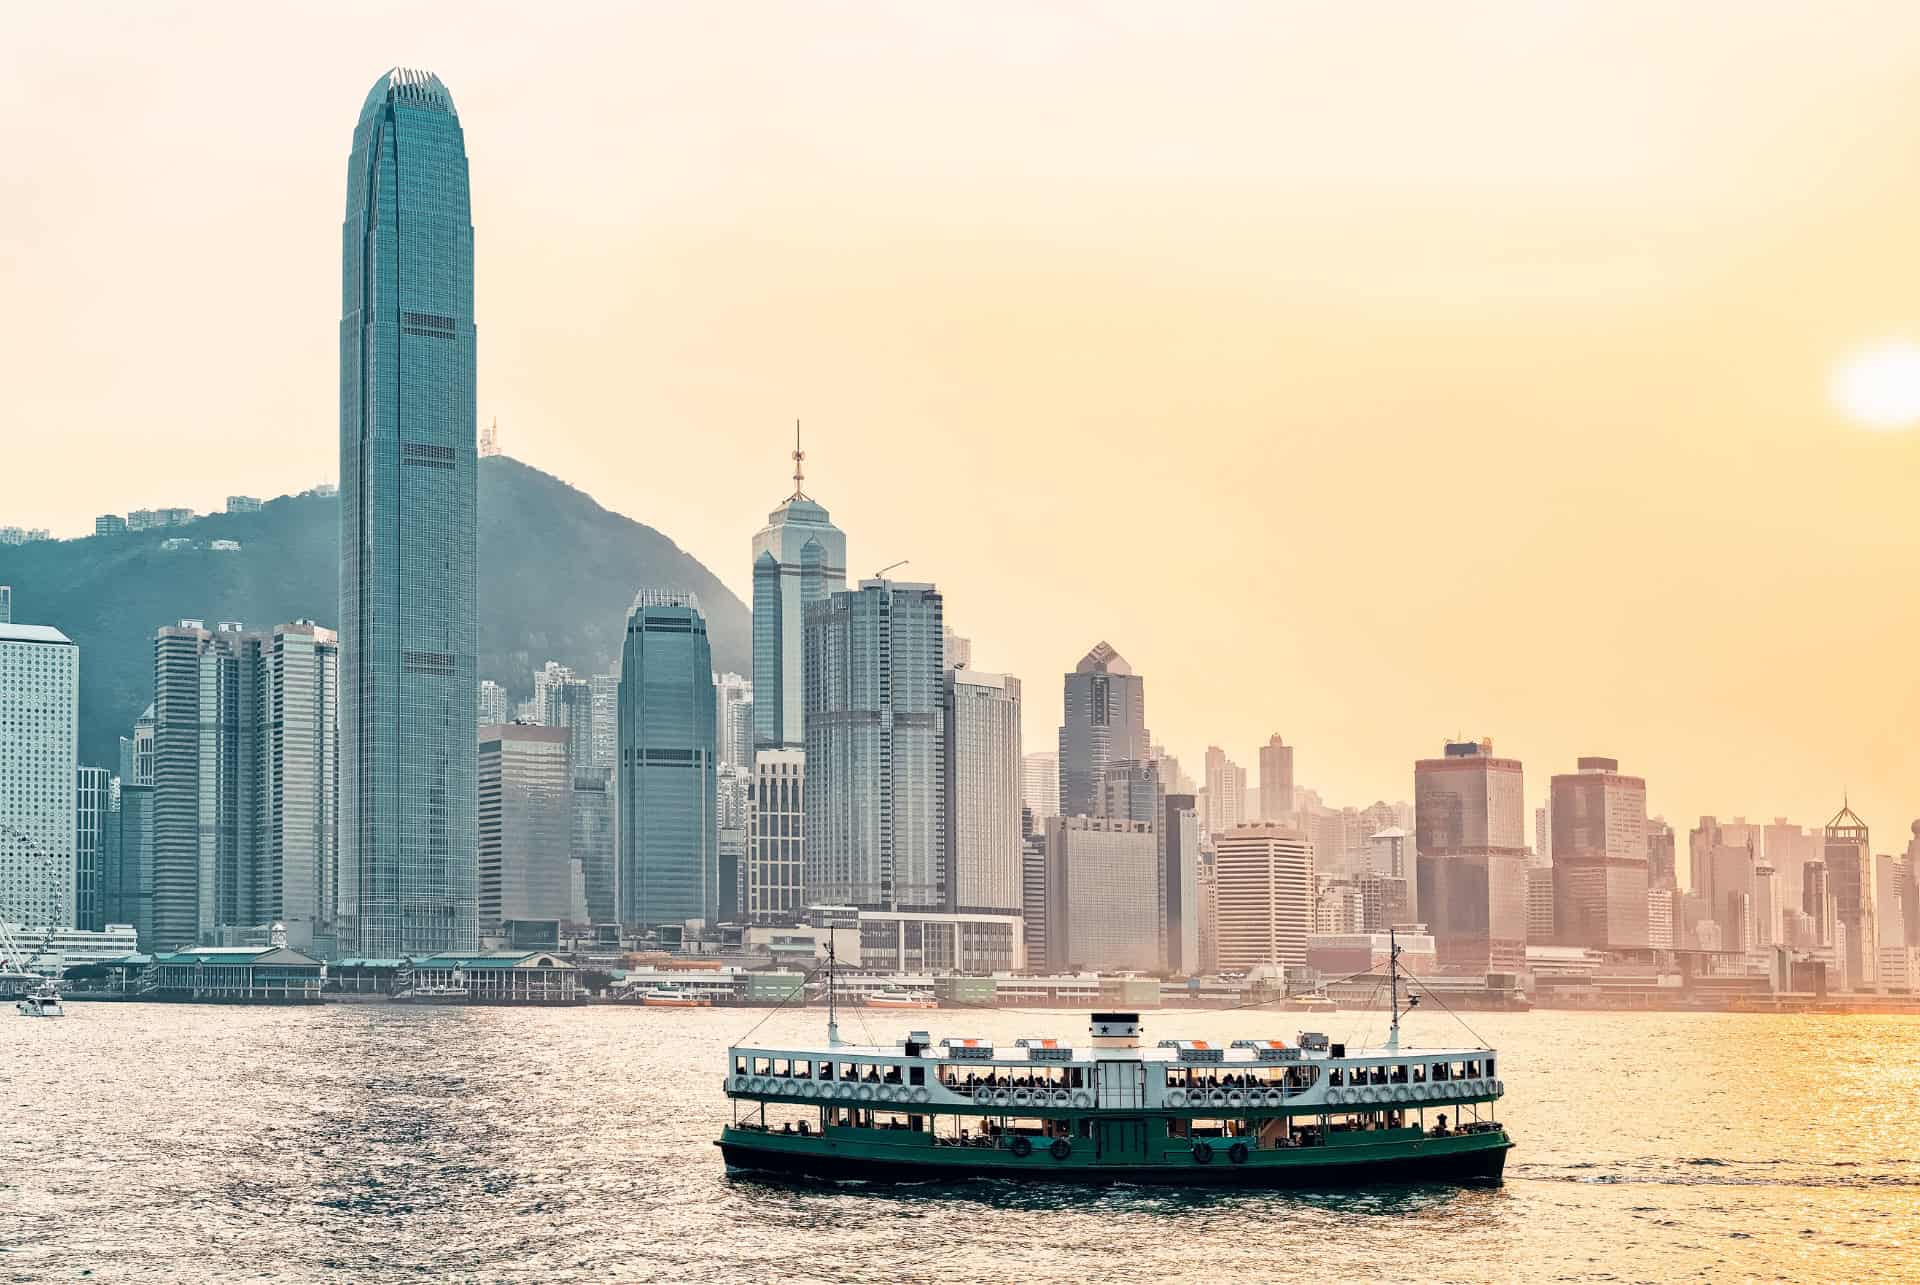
(1760, 507)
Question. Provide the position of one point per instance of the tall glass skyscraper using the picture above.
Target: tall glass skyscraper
(1106, 722)
(669, 860)
(876, 796)
(799, 557)
(408, 631)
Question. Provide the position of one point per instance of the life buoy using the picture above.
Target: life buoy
(741, 1083)
(1060, 1149)
(791, 1088)
(1372, 1094)
(920, 1094)
(1061, 1097)
(1176, 1098)
(1236, 1098)
(1237, 1153)
(1021, 1097)
(884, 1093)
(1022, 1146)
(843, 1091)
(1203, 1153)
(759, 1084)
(1402, 1094)
(1333, 1097)
(1001, 1097)
(1453, 1088)
(810, 1090)
(1083, 1099)
(864, 1093)
(1275, 1097)
(1499, 1088)
(1218, 1097)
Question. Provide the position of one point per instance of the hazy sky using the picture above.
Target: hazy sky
(1366, 373)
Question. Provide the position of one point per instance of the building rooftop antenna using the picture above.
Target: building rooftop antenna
(799, 459)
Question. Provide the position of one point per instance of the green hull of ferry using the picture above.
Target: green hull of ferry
(1124, 1150)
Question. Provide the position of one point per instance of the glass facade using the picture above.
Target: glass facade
(669, 863)
(408, 467)
(1106, 721)
(799, 557)
(876, 814)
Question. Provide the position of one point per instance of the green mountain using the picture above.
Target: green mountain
(557, 574)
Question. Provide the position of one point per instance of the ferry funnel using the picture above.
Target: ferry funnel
(1116, 1030)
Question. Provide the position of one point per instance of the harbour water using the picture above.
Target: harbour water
(375, 1142)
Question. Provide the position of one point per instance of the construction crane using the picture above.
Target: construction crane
(881, 574)
(16, 959)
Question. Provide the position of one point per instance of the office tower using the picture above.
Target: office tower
(209, 810)
(1766, 906)
(669, 862)
(1171, 776)
(297, 882)
(732, 793)
(526, 826)
(1040, 785)
(492, 704)
(1660, 856)
(1788, 848)
(1209, 891)
(1130, 790)
(1722, 863)
(1033, 894)
(1660, 928)
(1103, 903)
(1276, 779)
(799, 558)
(1105, 720)
(1264, 883)
(39, 738)
(6, 604)
(606, 720)
(408, 613)
(1543, 836)
(593, 842)
(1179, 878)
(1389, 854)
(1849, 857)
(733, 719)
(1817, 901)
(93, 794)
(731, 845)
(1226, 791)
(776, 830)
(1541, 920)
(569, 703)
(983, 769)
(955, 652)
(129, 881)
(876, 799)
(1470, 837)
(1910, 902)
(1600, 856)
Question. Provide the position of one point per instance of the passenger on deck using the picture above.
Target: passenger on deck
(1440, 1129)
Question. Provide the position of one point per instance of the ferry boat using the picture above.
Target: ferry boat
(900, 997)
(43, 1002)
(454, 993)
(671, 995)
(1252, 1113)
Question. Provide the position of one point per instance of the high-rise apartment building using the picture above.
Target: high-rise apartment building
(297, 879)
(1600, 856)
(1661, 871)
(39, 742)
(1264, 883)
(493, 705)
(733, 718)
(6, 604)
(669, 858)
(1787, 848)
(1226, 791)
(1470, 836)
(606, 720)
(1276, 780)
(1033, 894)
(1103, 900)
(136, 751)
(526, 825)
(1106, 721)
(876, 796)
(776, 832)
(982, 744)
(799, 558)
(408, 471)
(955, 652)
(1848, 854)
(1040, 784)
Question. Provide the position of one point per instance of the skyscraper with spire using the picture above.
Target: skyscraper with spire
(409, 838)
(799, 557)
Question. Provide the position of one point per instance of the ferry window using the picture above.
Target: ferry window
(848, 1071)
(826, 1070)
(781, 1067)
(763, 1066)
(916, 1075)
(1489, 1066)
(803, 1070)
(1420, 1073)
(740, 1066)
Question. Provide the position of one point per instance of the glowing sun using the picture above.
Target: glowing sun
(1880, 386)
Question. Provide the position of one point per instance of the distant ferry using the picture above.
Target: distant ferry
(455, 993)
(672, 995)
(900, 997)
(1255, 1113)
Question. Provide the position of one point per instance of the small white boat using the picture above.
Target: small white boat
(44, 1002)
(670, 995)
(900, 997)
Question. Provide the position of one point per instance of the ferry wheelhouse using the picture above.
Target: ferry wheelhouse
(1250, 1113)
